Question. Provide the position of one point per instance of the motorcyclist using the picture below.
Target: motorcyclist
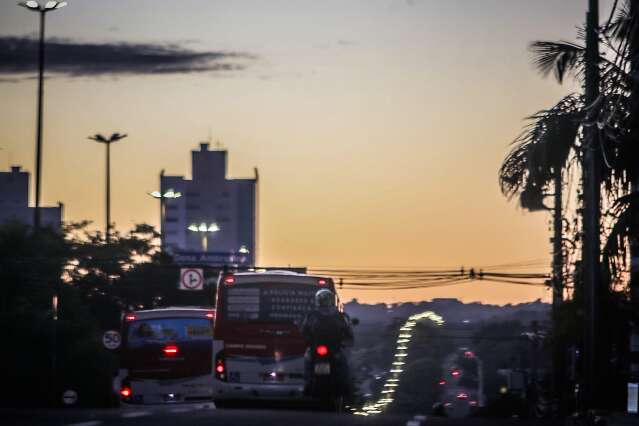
(326, 325)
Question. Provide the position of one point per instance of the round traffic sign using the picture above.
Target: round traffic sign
(69, 397)
(111, 339)
(192, 279)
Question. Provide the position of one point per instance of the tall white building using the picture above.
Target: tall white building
(213, 221)
(14, 201)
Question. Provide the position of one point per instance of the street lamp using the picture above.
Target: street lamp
(170, 194)
(35, 6)
(113, 138)
(204, 229)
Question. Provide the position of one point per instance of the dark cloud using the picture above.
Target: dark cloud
(18, 56)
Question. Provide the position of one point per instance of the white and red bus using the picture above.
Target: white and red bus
(257, 347)
(166, 356)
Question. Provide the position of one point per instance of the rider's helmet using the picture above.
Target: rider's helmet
(324, 299)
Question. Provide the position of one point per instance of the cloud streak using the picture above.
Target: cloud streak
(18, 56)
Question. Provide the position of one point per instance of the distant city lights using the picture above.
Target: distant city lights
(391, 383)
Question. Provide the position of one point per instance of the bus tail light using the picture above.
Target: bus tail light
(170, 350)
(229, 280)
(210, 315)
(129, 317)
(321, 350)
(125, 392)
(220, 367)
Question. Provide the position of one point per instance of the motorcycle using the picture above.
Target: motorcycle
(327, 381)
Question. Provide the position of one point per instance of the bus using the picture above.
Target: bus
(166, 356)
(257, 347)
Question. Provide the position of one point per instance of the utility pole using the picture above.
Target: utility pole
(557, 286)
(593, 367)
(108, 141)
(162, 211)
(42, 10)
(38, 174)
(634, 200)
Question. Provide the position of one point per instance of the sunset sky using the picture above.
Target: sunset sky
(378, 126)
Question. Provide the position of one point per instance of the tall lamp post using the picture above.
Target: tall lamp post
(162, 196)
(42, 9)
(204, 229)
(108, 141)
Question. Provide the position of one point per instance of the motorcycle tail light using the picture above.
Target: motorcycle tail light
(321, 350)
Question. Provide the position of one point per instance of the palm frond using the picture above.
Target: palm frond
(626, 221)
(543, 147)
(557, 57)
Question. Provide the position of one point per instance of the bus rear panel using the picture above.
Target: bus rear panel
(258, 349)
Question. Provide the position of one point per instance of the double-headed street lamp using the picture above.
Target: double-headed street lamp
(108, 141)
(168, 194)
(204, 229)
(42, 9)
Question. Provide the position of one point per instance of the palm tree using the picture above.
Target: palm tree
(535, 164)
(616, 113)
(544, 148)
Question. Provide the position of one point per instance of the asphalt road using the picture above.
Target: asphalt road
(207, 414)
(190, 414)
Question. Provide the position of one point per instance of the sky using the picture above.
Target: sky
(378, 126)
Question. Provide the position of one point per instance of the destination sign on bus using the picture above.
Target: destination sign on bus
(268, 304)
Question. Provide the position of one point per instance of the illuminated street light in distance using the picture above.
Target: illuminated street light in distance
(204, 227)
(168, 194)
(33, 5)
(37, 7)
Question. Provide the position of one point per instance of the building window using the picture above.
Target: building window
(225, 194)
(171, 207)
(193, 207)
(192, 194)
(171, 220)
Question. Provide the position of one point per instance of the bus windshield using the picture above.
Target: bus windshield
(268, 302)
(162, 330)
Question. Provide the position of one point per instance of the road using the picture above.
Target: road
(201, 414)
(191, 414)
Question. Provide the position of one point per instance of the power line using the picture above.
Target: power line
(410, 279)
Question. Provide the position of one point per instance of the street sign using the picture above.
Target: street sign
(191, 279)
(69, 397)
(198, 258)
(111, 339)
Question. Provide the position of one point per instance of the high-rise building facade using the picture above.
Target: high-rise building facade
(14, 201)
(212, 219)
